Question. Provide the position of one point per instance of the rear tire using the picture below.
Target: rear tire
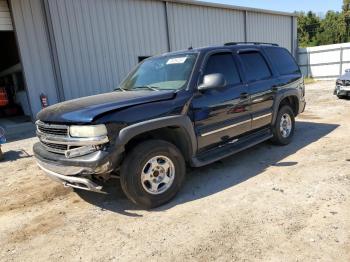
(283, 129)
(152, 173)
(341, 97)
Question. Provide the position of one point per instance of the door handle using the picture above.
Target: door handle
(244, 95)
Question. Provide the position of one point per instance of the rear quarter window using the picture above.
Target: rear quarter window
(282, 60)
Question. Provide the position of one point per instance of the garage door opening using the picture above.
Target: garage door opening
(14, 106)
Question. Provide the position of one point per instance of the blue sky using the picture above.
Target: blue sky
(317, 6)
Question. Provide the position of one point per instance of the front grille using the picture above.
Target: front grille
(56, 148)
(55, 138)
(55, 130)
(343, 82)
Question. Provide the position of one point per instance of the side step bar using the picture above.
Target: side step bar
(229, 149)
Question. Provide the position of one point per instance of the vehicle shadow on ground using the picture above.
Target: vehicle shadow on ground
(13, 155)
(211, 179)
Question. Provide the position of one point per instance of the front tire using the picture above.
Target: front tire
(283, 129)
(152, 173)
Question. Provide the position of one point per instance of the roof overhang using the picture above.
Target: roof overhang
(231, 7)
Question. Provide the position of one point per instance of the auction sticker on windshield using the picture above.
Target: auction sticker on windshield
(176, 60)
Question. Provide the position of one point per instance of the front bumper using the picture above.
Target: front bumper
(342, 90)
(77, 172)
(69, 181)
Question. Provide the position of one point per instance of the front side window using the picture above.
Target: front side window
(161, 73)
(255, 66)
(224, 64)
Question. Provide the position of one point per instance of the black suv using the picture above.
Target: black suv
(190, 107)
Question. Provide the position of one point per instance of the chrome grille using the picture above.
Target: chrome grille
(55, 138)
(56, 130)
(56, 148)
(53, 130)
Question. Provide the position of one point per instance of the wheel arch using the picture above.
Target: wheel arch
(290, 98)
(177, 130)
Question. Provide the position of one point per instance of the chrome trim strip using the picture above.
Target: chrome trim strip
(258, 100)
(72, 141)
(63, 127)
(225, 128)
(79, 151)
(263, 116)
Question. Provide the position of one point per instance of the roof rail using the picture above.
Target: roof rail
(249, 43)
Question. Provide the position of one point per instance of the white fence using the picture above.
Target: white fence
(324, 62)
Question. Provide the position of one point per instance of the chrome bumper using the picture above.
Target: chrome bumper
(69, 180)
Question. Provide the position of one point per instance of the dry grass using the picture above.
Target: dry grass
(309, 80)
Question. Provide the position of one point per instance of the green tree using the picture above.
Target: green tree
(333, 29)
(346, 12)
(346, 6)
(308, 28)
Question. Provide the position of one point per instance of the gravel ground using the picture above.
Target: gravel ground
(267, 203)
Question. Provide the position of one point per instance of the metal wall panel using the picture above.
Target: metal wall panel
(5, 17)
(34, 49)
(98, 41)
(270, 28)
(191, 25)
(324, 62)
(85, 47)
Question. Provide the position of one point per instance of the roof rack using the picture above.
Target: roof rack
(249, 43)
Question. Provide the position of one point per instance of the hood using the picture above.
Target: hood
(86, 109)
(346, 76)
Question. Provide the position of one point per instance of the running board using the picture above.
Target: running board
(231, 148)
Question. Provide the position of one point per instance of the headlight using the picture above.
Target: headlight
(88, 131)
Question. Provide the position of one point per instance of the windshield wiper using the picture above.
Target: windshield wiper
(120, 88)
(147, 86)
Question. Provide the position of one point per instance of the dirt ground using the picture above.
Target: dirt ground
(268, 203)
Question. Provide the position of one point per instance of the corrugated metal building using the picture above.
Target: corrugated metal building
(75, 48)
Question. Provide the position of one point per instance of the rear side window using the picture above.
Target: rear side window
(223, 63)
(255, 66)
(283, 60)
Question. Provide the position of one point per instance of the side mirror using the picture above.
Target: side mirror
(212, 81)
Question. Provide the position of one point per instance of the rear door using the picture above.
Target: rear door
(261, 84)
(221, 113)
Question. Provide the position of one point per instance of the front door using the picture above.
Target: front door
(222, 113)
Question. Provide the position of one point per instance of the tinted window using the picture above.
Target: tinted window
(255, 66)
(223, 63)
(283, 60)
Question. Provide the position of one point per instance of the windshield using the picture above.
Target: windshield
(161, 73)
